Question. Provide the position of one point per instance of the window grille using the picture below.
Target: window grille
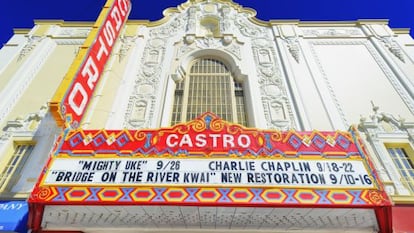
(404, 165)
(14, 165)
(209, 87)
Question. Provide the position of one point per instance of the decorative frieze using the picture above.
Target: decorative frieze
(176, 24)
(192, 19)
(142, 101)
(288, 33)
(69, 41)
(26, 125)
(31, 43)
(393, 47)
(248, 29)
(332, 32)
(293, 47)
(211, 43)
(226, 23)
(127, 43)
(385, 35)
(276, 107)
(72, 32)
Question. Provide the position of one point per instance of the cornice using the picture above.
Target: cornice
(21, 31)
(327, 23)
(330, 23)
(372, 21)
(401, 31)
(63, 23)
(48, 22)
(284, 21)
(138, 22)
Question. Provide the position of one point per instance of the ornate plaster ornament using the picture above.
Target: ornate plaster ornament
(333, 32)
(393, 47)
(293, 47)
(31, 43)
(126, 44)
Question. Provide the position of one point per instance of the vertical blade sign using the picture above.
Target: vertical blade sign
(80, 91)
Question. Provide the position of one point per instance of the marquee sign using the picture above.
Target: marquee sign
(207, 161)
(74, 94)
(303, 173)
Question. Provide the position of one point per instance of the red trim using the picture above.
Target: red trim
(384, 218)
(402, 216)
(35, 217)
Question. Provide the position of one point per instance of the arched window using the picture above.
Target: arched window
(209, 87)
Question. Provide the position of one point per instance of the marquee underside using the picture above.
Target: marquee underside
(159, 218)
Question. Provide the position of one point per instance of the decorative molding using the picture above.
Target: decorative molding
(277, 109)
(378, 59)
(208, 43)
(391, 77)
(23, 77)
(395, 125)
(142, 101)
(393, 47)
(141, 104)
(293, 47)
(192, 19)
(290, 37)
(24, 126)
(209, 20)
(332, 32)
(249, 29)
(226, 23)
(31, 43)
(72, 32)
(325, 76)
(211, 43)
(234, 49)
(385, 35)
(379, 128)
(182, 50)
(65, 41)
(127, 43)
(168, 30)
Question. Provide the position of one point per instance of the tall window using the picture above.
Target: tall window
(209, 87)
(14, 165)
(403, 159)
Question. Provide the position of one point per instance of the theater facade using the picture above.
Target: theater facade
(208, 120)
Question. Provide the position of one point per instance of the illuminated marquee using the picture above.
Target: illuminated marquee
(202, 140)
(205, 158)
(209, 136)
(76, 90)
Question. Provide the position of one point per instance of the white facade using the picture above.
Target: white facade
(32, 67)
(296, 75)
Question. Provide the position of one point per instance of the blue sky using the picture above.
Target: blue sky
(22, 13)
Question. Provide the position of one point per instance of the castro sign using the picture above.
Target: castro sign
(86, 75)
(212, 140)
